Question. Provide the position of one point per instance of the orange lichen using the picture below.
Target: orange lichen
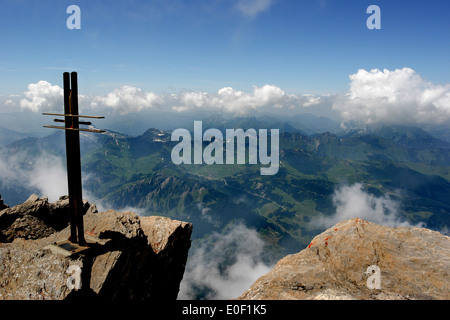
(91, 232)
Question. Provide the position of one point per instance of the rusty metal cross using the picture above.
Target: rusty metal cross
(72, 131)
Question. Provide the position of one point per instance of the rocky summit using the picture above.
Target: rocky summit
(128, 257)
(2, 204)
(356, 259)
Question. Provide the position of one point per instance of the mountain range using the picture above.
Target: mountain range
(406, 165)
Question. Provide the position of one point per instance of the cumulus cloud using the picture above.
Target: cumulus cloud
(209, 265)
(234, 101)
(394, 97)
(42, 96)
(128, 99)
(353, 202)
(251, 8)
(230, 100)
(378, 96)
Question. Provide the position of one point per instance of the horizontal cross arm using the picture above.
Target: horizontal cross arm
(75, 129)
(80, 122)
(71, 115)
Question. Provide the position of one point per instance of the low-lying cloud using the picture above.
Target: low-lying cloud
(353, 202)
(44, 173)
(49, 176)
(225, 265)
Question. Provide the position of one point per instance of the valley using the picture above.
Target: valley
(405, 164)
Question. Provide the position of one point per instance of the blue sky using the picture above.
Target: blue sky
(170, 46)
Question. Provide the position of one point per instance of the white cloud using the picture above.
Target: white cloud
(251, 8)
(9, 169)
(128, 99)
(235, 101)
(207, 265)
(394, 97)
(353, 202)
(204, 212)
(311, 100)
(49, 176)
(131, 99)
(42, 96)
(44, 173)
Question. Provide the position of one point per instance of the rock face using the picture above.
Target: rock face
(128, 257)
(2, 204)
(361, 260)
(36, 218)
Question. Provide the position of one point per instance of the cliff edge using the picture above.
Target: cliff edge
(128, 257)
(356, 259)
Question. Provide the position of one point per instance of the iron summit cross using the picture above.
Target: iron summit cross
(72, 132)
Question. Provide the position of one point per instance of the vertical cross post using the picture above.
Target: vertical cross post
(73, 158)
(72, 130)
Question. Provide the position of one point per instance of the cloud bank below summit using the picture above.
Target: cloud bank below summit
(377, 96)
(224, 265)
(353, 201)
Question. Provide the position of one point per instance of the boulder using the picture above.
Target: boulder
(128, 257)
(36, 218)
(361, 260)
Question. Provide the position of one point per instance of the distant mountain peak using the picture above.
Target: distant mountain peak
(409, 137)
(156, 135)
